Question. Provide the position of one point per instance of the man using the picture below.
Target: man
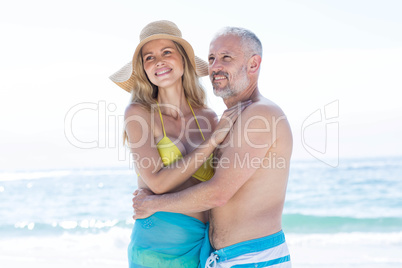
(247, 192)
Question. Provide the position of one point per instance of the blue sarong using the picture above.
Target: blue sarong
(167, 239)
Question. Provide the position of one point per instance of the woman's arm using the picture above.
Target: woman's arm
(148, 162)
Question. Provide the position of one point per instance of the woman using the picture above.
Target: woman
(166, 120)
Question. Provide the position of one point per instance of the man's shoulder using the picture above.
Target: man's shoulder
(263, 108)
(266, 115)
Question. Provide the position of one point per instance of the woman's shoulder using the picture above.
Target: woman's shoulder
(207, 112)
(206, 115)
(136, 108)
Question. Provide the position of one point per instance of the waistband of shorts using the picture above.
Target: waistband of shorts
(250, 246)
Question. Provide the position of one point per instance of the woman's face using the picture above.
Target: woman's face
(162, 63)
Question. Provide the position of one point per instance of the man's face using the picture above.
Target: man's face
(227, 66)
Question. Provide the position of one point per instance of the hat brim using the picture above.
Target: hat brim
(124, 77)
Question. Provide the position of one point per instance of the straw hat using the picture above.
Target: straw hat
(162, 29)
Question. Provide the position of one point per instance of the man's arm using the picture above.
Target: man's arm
(249, 142)
(162, 179)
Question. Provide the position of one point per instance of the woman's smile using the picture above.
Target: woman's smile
(163, 71)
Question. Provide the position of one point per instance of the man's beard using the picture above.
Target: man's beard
(241, 81)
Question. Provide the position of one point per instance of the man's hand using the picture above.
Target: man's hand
(141, 211)
(227, 121)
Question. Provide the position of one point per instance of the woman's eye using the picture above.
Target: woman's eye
(148, 58)
(166, 52)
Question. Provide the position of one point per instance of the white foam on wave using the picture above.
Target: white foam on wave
(347, 212)
(22, 225)
(71, 224)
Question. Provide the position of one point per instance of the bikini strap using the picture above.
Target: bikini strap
(195, 117)
(160, 115)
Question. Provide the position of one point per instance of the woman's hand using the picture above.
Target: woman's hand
(227, 121)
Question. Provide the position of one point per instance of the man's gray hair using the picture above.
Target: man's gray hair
(250, 43)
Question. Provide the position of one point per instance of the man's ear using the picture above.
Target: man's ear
(254, 64)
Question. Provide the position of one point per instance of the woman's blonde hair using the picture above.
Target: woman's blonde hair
(145, 93)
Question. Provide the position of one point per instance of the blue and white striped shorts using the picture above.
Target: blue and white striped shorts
(270, 251)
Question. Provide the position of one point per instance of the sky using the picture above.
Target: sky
(334, 67)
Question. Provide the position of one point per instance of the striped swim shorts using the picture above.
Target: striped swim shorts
(270, 251)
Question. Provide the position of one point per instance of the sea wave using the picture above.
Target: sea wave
(299, 223)
(292, 223)
(85, 226)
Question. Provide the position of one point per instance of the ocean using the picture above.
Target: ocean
(348, 216)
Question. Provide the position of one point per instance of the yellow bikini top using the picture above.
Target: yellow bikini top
(169, 152)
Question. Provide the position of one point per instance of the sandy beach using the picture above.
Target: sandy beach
(66, 251)
(369, 250)
(109, 250)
